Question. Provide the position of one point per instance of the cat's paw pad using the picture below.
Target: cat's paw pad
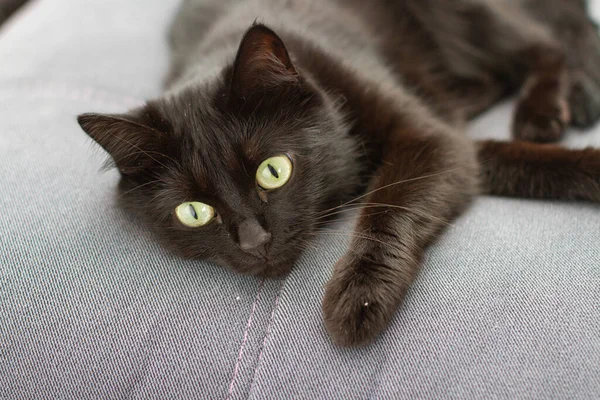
(584, 101)
(357, 307)
(542, 117)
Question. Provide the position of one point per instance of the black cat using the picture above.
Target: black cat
(261, 137)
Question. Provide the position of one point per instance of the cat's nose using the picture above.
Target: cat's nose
(253, 238)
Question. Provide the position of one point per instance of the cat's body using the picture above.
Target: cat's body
(357, 94)
(442, 51)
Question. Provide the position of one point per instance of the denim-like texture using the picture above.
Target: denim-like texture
(507, 305)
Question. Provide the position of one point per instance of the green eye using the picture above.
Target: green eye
(274, 172)
(194, 214)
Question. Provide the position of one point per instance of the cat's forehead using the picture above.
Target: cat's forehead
(234, 153)
(219, 149)
(207, 108)
(214, 133)
(218, 142)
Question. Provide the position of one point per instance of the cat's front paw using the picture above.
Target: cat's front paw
(542, 116)
(358, 304)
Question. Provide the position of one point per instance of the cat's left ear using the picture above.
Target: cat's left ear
(134, 140)
(262, 62)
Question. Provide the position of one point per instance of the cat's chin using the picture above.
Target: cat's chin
(265, 269)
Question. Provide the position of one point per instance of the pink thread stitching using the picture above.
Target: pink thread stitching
(241, 352)
(267, 334)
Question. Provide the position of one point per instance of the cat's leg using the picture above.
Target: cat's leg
(539, 171)
(556, 95)
(559, 51)
(549, 48)
(583, 56)
(422, 183)
(572, 27)
(499, 38)
(584, 98)
(543, 112)
(575, 59)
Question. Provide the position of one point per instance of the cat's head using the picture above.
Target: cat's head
(234, 170)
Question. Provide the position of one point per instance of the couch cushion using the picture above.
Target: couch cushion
(507, 305)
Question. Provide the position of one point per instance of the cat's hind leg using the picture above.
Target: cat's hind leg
(480, 38)
(515, 42)
(543, 112)
(574, 29)
(562, 87)
(583, 56)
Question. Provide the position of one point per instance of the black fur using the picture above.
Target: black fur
(360, 95)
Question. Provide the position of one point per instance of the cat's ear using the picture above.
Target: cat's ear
(133, 140)
(262, 62)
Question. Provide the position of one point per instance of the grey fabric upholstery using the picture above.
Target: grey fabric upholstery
(507, 306)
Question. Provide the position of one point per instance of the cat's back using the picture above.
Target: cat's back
(198, 18)
(205, 33)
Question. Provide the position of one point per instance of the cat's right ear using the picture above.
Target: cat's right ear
(131, 139)
(262, 62)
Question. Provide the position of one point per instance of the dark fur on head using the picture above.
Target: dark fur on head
(205, 142)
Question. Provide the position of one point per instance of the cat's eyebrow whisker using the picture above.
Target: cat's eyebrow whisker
(154, 152)
(139, 187)
(156, 196)
(140, 150)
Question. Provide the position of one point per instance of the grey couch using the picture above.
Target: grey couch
(507, 305)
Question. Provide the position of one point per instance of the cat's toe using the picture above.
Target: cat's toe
(541, 120)
(356, 309)
(351, 319)
(584, 101)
